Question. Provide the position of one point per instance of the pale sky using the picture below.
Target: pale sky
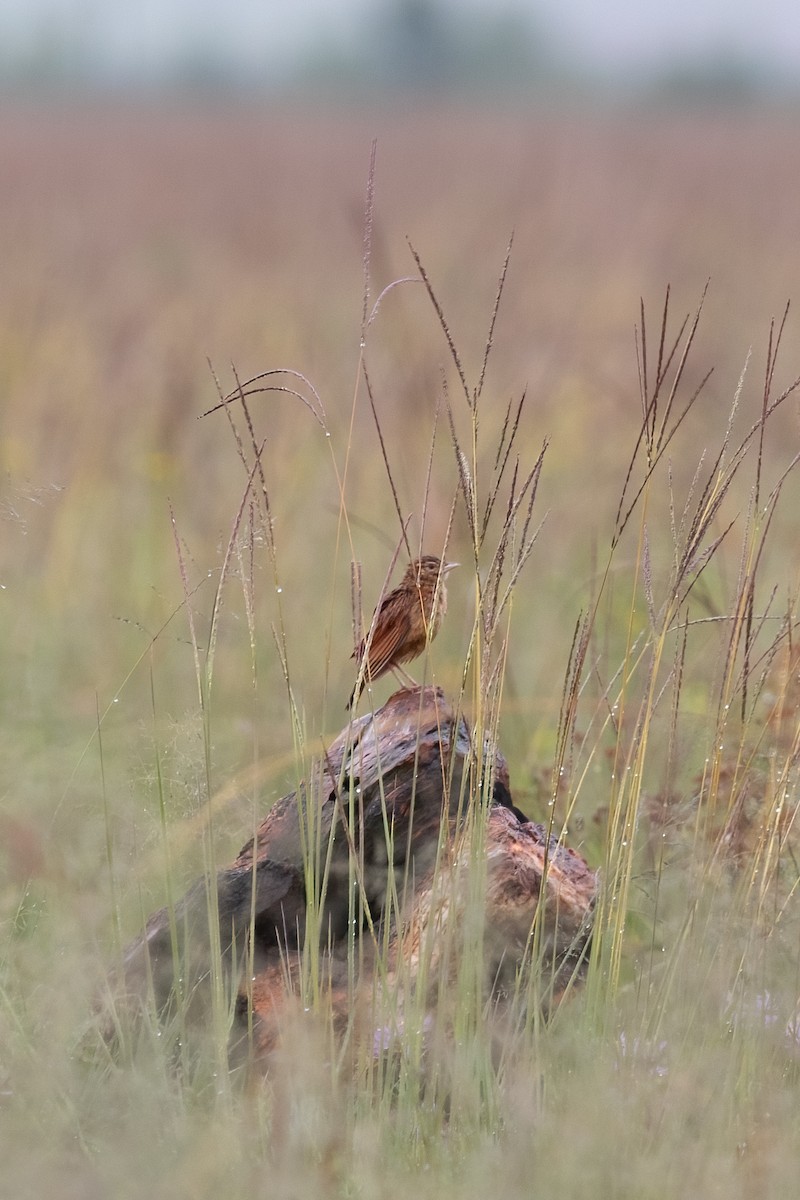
(613, 33)
(620, 30)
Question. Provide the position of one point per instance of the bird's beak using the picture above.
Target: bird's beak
(449, 566)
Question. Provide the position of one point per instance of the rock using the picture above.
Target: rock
(378, 849)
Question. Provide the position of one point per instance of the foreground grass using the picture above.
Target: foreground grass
(665, 742)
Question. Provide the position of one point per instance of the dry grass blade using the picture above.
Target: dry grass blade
(568, 709)
(749, 664)
(501, 460)
(491, 591)
(492, 684)
(756, 427)
(369, 215)
(656, 445)
(662, 367)
(678, 669)
(224, 403)
(751, 633)
(385, 455)
(526, 541)
(679, 370)
(504, 433)
(531, 485)
(266, 511)
(280, 646)
(390, 287)
(696, 564)
(680, 535)
(490, 337)
(247, 575)
(716, 487)
(521, 559)
(649, 401)
(248, 388)
(640, 345)
(772, 355)
(703, 518)
(516, 498)
(647, 577)
(621, 524)
(223, 574)
(443, 323)
(189, 610)
(429, 474)
(356, 602)
(464, 476)
(783, 641)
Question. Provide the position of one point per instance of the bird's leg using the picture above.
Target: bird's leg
(403, 677)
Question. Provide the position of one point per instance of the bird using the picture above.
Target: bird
(404, 621)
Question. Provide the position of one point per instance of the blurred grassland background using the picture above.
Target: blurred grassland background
(139, 241)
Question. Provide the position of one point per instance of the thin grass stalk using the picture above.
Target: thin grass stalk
(109, 843)
(181, 997)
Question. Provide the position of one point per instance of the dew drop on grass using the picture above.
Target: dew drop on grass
(279, 590)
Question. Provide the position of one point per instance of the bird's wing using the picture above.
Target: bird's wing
(388, 636)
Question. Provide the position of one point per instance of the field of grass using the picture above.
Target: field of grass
(140, 245)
